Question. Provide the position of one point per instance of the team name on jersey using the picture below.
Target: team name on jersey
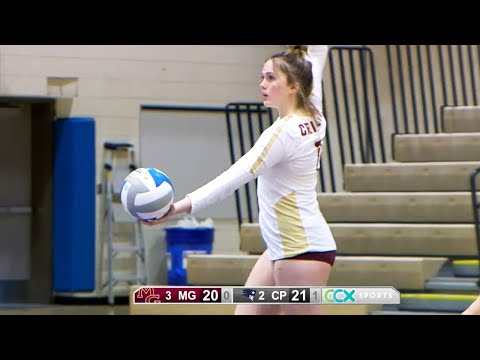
(307, 128)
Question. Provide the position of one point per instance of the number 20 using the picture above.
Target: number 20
(210, 295)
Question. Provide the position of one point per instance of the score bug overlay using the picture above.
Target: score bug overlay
(266, 295)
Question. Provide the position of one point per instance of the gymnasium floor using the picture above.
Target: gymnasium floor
(23, 309)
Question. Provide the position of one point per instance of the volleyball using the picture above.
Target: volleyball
(147, 194)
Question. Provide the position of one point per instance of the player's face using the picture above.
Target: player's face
(275, 89)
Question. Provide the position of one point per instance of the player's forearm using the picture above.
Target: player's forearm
(219, 189)
(182, 206)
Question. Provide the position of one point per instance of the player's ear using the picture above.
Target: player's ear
(293, 88)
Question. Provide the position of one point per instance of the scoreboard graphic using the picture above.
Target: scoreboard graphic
(266, 295)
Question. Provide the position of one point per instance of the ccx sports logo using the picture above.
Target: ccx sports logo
(339, 296)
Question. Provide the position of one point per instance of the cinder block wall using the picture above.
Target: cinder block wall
(111, 82)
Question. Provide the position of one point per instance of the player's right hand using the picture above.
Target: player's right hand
(165, 217)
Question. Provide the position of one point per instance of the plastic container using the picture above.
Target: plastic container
(182, 241)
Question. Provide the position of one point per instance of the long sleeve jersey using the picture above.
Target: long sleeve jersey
(285, 160)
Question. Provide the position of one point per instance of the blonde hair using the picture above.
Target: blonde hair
(298, 70)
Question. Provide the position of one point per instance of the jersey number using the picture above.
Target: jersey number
(318, 145)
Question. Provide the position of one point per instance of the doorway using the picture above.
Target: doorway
(26, 200)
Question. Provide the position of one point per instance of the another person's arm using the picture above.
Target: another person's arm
(474, 308)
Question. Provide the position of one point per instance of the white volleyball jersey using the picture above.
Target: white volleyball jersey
(285, 160)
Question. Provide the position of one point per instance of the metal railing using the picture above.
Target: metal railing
(245, 123)
(425, 78)
(355, 130)
(476, 211)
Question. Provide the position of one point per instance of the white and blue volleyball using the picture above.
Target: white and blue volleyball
(147, 194)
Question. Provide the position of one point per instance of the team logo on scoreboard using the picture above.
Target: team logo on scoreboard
(249, 293)
(146, 295)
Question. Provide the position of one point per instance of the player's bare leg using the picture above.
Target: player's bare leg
(301, 273)
(261, 275)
